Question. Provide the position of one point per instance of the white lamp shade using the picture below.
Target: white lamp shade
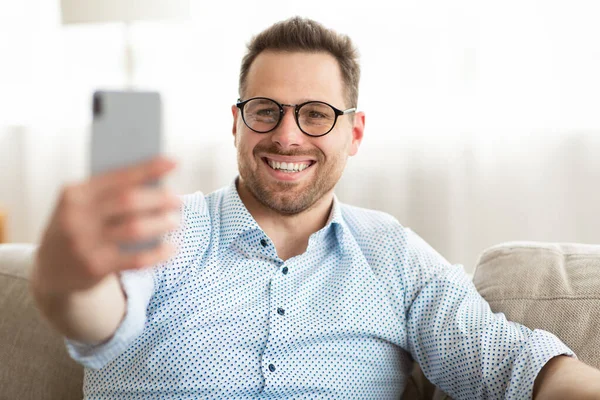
(85, 11)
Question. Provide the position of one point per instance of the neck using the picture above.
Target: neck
(289, 233)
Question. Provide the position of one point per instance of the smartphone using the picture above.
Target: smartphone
(126, 130)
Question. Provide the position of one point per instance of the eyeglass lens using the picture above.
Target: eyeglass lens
(314, 118)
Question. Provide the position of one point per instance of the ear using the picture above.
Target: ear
(358, 129)
(234, 112)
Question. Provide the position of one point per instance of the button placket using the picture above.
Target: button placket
(269, 358)
(278, 285)
(264, 248)
(278, 300)
(279, 314)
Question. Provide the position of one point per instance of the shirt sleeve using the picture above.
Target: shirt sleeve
(138, 286)
(461, 345)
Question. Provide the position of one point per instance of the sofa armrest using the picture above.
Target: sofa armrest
(17, 259)
(549, 286)
(34, 363)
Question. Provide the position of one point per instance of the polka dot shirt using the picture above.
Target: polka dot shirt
(228, 319)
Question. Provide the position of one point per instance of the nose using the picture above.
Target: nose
(288, 134)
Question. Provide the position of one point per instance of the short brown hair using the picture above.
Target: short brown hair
(303, 34)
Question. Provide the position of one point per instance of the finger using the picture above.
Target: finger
(73, 197)
(140, 228)
(148, 258)
(127, 177)
(139, 200)
(101, 260)
(77, 226)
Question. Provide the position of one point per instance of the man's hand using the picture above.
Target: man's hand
(74, 280)
(567, 378)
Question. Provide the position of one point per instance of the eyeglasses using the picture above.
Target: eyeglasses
(314, 118)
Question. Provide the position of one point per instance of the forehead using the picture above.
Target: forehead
(293, 77)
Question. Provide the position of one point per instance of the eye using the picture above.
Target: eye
(267, 112)
(316, 115)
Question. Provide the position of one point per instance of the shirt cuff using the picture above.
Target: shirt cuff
(541, 347)
(138, 286)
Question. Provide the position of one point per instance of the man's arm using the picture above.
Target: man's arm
(567, 378)
(461, 345)
(88, 316)
(75, 281)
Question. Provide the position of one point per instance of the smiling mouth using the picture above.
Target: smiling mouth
(290, 168)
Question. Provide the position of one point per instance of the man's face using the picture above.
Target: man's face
(294, 78)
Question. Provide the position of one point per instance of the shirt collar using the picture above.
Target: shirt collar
(235, 217)
(335, 224)
(237, 220)
(335, 216)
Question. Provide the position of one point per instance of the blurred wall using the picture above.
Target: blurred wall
(482, 117)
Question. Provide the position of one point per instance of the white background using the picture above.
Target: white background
(483, 120)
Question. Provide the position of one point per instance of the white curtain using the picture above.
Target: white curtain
(483, 117)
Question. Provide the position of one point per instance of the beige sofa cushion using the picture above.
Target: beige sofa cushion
(548, 286)
(555, 287)
(33, 361)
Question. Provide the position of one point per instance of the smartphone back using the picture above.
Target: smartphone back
(126, 129)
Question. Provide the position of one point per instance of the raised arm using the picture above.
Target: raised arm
(75, 280)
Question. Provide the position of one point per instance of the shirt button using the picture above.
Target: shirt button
(280, 311)
(285, 270)
(271, 368)
(263, 242)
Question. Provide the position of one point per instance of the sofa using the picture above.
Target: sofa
(555, 287)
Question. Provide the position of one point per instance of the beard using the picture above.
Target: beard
(289, 198)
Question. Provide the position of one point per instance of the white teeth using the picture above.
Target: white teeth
(288, 167)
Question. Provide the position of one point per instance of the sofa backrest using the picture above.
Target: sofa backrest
(33, 360)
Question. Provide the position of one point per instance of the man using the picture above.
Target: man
(277, 290)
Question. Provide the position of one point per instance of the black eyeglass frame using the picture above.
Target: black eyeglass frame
(338, 113)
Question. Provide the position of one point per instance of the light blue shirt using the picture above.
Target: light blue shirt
(228, 319)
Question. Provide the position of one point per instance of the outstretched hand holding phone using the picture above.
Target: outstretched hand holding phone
(74, 280)
(109, 223)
